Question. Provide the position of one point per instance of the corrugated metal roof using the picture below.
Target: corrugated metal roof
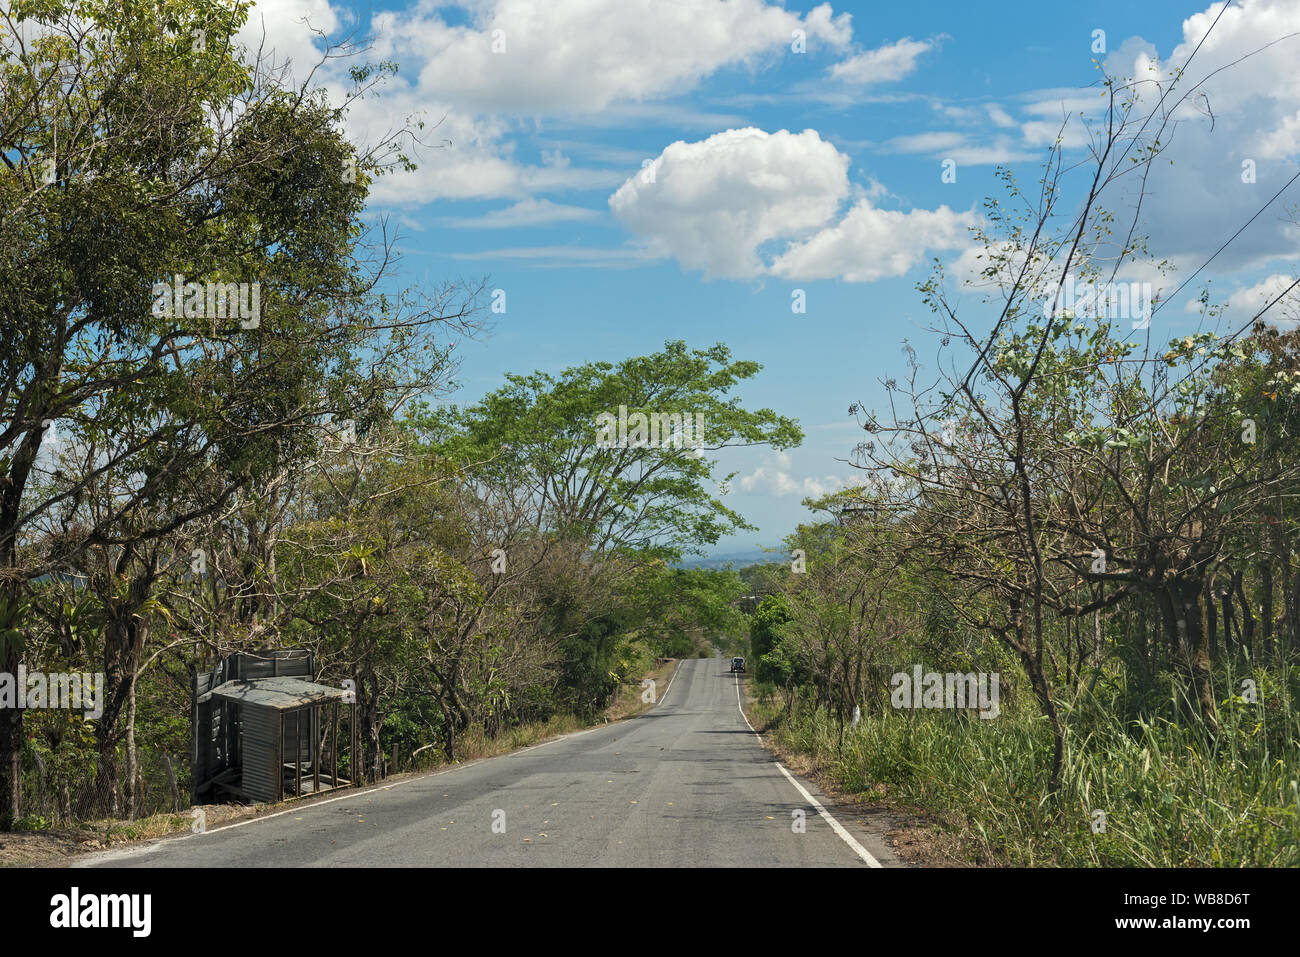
(278, 693)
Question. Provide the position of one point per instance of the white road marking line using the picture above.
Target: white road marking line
(385, 787)
(836, 826)
(395, 784)
(670, 683)
(307, 807)
(534, 747)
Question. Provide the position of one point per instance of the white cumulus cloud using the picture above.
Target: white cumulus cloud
(1246, 303)
(773, 478)
(719, 204)
(477, 68)
(1241, 112)
(712, 203)
(872, 243)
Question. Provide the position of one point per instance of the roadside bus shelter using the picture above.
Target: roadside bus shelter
(265, 731)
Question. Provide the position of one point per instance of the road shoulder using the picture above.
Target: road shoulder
(895, 837)
(61, 847)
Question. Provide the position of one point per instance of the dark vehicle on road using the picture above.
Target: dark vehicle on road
(737, 664)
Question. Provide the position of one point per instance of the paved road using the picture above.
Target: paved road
(685, 784)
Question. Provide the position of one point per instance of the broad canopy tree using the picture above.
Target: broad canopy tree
(144, 153)
(543, 440)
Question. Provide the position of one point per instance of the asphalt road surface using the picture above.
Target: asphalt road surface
(684, 784)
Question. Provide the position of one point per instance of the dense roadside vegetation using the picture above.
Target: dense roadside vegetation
(1104, 518)
(182, 479)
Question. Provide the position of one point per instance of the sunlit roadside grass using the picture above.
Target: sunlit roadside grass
(1143, 791)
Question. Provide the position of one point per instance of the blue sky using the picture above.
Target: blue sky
(776, 170)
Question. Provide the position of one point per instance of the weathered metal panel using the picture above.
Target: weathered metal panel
(205, 729)
(282, 693)
(200, 730)
(293, 663)
(260, 730)
(253, 714)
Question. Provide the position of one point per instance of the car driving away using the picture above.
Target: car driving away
(737, 664)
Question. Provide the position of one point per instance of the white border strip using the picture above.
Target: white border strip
(836, 826)
(351, 795)
(676, 668)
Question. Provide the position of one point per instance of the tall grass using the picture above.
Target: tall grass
(1171, 794)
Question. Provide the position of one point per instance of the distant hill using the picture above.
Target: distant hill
(753, 556)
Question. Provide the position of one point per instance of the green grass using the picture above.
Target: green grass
(33, 822)
(1171, 794)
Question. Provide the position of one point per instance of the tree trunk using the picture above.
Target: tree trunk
(1211, 623)
(1231, 629)
(1096, 638)
(371, 722)
(124, 640)
(1266, 607)
(1186, 599)
(1032, 664)
(13, 481)
(171, 781)
(106, 731)
(11, 756)
(1169, 622)
(1293, 638)
(1247, 614)
(448, 729)
(132, 798)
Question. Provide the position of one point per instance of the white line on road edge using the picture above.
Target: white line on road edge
(542, 744)
(836, 826)
(383, 787)
(599, 727)
(342, 797)
(168, 841)
(680, 661)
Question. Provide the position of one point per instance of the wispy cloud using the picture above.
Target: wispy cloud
(527, 212)
(562, 256)
(886, 64)
(774, 477)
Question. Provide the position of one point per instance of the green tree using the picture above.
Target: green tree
(764, 634)
(137, 160)
(538, 441)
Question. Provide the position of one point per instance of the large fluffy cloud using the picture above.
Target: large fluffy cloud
(872, 243)
(714, 205)
(530, 57)
(1247, 111)
(477, 67)
(561, 55)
